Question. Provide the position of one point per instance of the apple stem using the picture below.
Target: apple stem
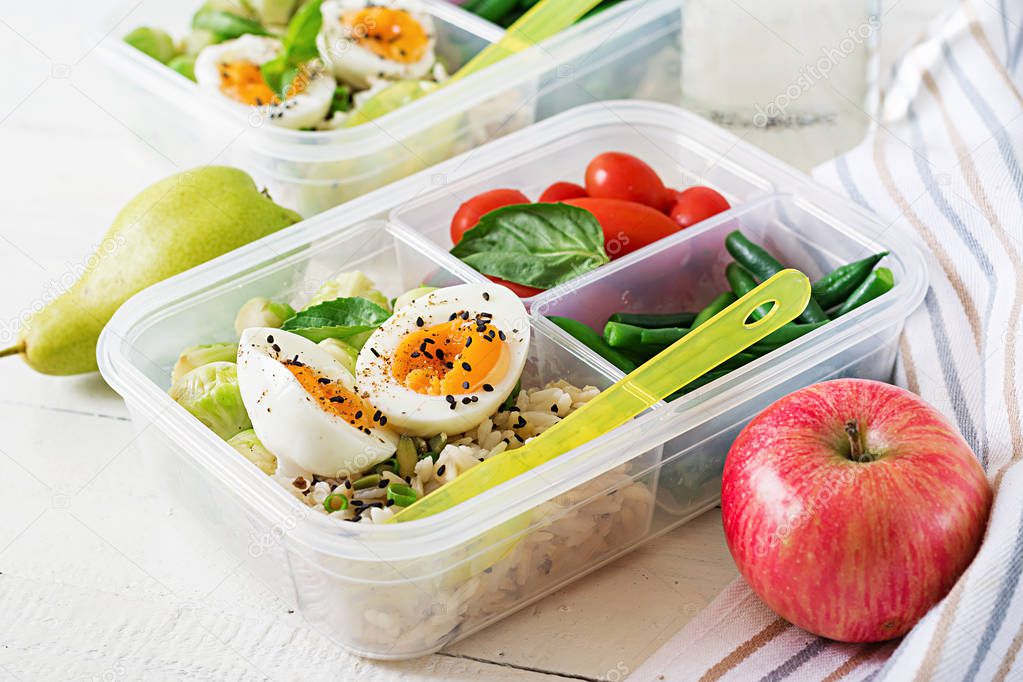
(857, 448)
(13, 350)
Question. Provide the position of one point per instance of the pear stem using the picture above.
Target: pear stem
(857, 448)
(13, 350)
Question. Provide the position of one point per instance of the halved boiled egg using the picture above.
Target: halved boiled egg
(446, 361)
(363, 40)
(232, 69)
(304, 406)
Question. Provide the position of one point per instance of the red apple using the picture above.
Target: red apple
(851, 507)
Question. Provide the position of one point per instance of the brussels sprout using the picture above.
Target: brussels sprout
(350, 285)
(197, 40)
(411, 295)
(253, 450)
(185, 65)
(344, 353)
(210, 393)
(262, 312)
(275, 12)
(241, 8)
(197, 356)
(152, 41)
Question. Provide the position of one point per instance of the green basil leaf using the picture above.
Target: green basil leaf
(300, 40)
(539, 245)
(226, 26)
(341, 318)
(273, 73)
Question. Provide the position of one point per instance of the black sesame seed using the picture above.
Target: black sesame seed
(357, 503)
(475, 398)
(520, 438)
(358, 414)
(488, 388)
(466, 401)
(419, 322)
(269, 339)
(501, 335)
(277, 349)
(441, 469)
(414, 354)
(465, 384)
(440, 353)
(465, 314)
(376, 415)
(374, 352)
(383, 420)
(452, 406)
(323, 380)
(449, 398)
(429, 339)
(389, 503)
(348, 484)
(337, 399)
(554, 408)
(449, 365)
(468, 342)
(452, 317)
(521, 423)
(383, 483)
(486, 296)
(466, 366)
(428, 354)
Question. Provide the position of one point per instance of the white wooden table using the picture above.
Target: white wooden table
(101, 575)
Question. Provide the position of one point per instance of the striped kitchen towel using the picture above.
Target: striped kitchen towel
(944, 164)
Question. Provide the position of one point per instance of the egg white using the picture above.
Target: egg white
(288, 420)
(358, 66)
(306, 109)
(427, 415)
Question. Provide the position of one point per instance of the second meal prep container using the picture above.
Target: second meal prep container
(403, 590)
(630, 51)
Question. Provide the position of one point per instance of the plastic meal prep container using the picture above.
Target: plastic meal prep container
(403, 590)
(630, 51)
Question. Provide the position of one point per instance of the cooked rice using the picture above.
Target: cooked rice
(535, 411)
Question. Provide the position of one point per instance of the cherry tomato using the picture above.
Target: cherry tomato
(627, 225)
(615, 175)
(560, 191)
(696, 204)
(520, 290)
(469, 213)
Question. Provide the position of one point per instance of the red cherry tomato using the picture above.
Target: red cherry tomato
(696, 204)
(615, 175)
(469, 213)
(627, 225)
(520, 290)
(560, 191)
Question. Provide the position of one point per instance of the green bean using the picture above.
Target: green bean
(878, 283)
(619, 335)
(762, 265)
(838, 285)
(654, 320)
(742, 283)
(716, 306)
(662, 337)
(594, 342)
(783, 335)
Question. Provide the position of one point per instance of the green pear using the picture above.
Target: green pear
(174, 225)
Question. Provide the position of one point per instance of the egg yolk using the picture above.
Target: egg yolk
(243, 82)
(456, 357)
(392, 34)
(335, 399)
